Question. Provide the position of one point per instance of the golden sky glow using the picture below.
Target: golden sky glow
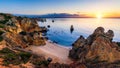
(99, 15)
(107, 8)
(102, 14)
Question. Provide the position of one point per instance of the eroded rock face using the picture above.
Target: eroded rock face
(28, 25)
(81, 41)
(14, 40)
(13, 26)
(110, 34)
(17, 33)
(97, 48)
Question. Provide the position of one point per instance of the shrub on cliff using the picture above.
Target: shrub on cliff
(2, 26)
(25, 56)
(14, 58)
(11, 57)
(1, 38)
(118, 43)
(39, 61)
(23, 33)
(1, 13)
(1, 32)
(7, 17)
(4, 21)
(19, 18)
(11, 24)
(6, 51)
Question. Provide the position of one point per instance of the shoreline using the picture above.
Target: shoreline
(55, 51)
(67, 47)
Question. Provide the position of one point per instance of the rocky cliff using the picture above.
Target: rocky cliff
(17, 33)
(97, 51)
(20, 31)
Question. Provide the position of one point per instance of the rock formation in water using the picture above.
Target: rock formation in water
(97, 51)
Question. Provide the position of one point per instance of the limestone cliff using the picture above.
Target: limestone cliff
(21, 31)
(17, 33)
(97, 48)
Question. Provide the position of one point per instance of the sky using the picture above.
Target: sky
(105, 7)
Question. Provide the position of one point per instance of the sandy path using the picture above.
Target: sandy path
(57, 53)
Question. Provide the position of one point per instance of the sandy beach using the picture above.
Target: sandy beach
(56, 52)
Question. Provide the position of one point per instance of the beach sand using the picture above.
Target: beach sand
(56, 52)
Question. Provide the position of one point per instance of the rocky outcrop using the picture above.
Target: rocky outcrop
(21, 31)
(14, 40)
(29, 25)
(17, 33)
(97, 48)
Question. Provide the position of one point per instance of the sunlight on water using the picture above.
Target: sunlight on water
(59, 30)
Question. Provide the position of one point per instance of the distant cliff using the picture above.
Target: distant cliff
(55, 15)
(61, 15)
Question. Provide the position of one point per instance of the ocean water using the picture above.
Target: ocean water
(60, 32)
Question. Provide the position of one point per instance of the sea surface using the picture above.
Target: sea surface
(59, 30)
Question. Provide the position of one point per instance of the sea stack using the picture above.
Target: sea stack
(71, 28)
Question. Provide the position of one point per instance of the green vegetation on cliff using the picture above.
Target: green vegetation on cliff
(1, 32)
(118, 44)
(5, 20)
(11, 57)
(6, 16)
(2, 26)
(20, 32)
(25, 56)
(1, 38)
(23, 33)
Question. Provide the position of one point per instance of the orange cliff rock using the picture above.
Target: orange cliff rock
(15, 25)
(17, 35)
(97, 50)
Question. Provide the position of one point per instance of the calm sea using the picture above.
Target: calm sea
(59, 30)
